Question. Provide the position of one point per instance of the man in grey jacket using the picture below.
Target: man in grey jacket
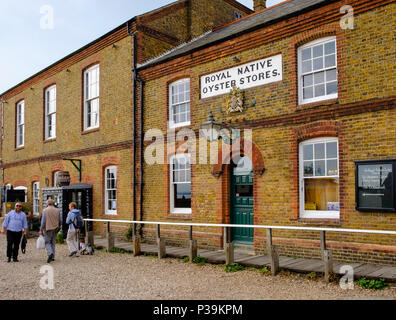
(51, 220)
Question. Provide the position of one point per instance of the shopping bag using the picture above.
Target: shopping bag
(40, 243)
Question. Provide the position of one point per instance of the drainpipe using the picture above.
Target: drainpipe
(133, 120)
(1, 151)
(141, 153)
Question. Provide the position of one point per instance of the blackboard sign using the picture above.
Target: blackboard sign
(375, 185)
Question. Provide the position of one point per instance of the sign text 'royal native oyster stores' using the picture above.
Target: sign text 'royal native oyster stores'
(252, 74)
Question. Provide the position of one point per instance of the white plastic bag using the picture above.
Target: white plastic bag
(40, 243)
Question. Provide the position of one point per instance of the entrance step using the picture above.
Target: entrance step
(244, 248)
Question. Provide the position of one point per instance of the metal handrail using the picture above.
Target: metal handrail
(246, 226)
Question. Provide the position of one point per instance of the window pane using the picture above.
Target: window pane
(319, 77)
(321, 194)
(332, 150)
(318, 51)
(320, 168)
(332, 168)
(332, 87)
(308, 80)
(306, 54)
(307, 66)
(318, 64)
(319, 151)
(331, 75)
(308, 152)
(182, 195)
(308, 168)
(330, 47)
(308, 93)
(319, 90)
(330, 61)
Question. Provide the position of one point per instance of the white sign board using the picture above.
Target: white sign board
(252, 74)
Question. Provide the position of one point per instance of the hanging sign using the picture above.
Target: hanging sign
(252, 74)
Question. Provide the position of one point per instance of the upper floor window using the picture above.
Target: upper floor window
(237, 15)
(179, 103)
(20, 124)
(319, 179)
(91, 98)
(50, 113)
(111, 190)
(317, 71)
(180, 184)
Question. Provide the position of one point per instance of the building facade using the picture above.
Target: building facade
(310, 85)
(82, 108)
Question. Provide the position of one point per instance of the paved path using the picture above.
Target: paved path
(248, 260)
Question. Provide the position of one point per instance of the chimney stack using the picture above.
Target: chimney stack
(259, 5)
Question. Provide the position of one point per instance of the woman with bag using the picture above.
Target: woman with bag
(72, 233)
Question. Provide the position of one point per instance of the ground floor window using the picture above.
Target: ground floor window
(111, 190)
(319, 179)
(180, 184)
(36, 198)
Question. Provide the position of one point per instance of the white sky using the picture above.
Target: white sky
(26, 48)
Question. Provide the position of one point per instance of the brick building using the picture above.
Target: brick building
(316, 84)
(82, 107)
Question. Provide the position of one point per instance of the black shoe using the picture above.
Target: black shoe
(15, 260)
(72, 254)
(9, 260)
(50, 258)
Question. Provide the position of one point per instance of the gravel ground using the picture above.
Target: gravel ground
(112, 276)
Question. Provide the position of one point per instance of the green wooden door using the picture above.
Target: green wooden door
(242, 206)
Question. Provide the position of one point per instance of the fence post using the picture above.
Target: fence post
(273, 253)
(136, 241)
(322, 243)
(229, 248)
(193, 245)
(328, 264)
(110, 238)
(160, 243)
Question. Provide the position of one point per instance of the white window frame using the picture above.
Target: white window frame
(174, 210)
(20, 123)
(91, 98)
(49, 114)
(175, 84)
(36, 198)
(113, 169)
(300, 74)
(316, 214)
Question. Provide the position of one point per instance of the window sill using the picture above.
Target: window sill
(19, 148)
(320, 221)
(110, 214)
(180, 216)
(88, 131)
(50, 140)
(179, 126)
(315, 104)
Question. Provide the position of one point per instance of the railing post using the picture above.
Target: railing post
(136, 241)
(328, 264)
(160, 243)
(110, 238)
(273, 253)
(193, 245)
(229, 248)
(322, 243)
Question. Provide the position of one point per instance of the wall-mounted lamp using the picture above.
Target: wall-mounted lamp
(236, 59)
(68, 70)
(114, 46)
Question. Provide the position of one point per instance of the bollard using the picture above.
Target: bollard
(274, 260)
(136, 246)
(229, 251)
(161, 248)
(193, 250)
(328, 264)
(110, 238)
